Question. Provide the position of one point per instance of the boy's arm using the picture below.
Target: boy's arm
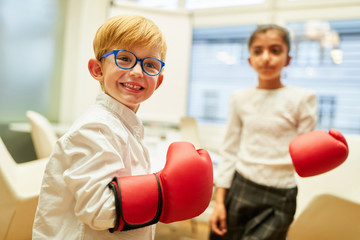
(182, 190)
(92, 163)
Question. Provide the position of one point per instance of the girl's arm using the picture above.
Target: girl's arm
(218, 217)
(308, 111)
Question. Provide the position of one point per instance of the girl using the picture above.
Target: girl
(256, 189)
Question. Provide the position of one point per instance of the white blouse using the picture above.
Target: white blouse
(75, 201)
(261, 124)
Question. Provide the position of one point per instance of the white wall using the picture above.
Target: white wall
(78, 88)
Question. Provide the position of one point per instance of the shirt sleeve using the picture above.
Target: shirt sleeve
(308, 110)
(229, 148)
(94, 158)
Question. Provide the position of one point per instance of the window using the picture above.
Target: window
(219, 66)
(326, 56)
(29, 59)
(193, 4)
(197, 4)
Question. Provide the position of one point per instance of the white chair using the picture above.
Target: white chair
(42, 133)
(189, 131)
(327, 217)
(19, 191)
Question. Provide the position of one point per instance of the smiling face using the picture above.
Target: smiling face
(130, 87)
(138, 35)
(268, 55)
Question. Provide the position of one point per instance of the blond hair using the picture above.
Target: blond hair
(127, 31)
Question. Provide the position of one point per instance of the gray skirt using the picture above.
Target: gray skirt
(257, 212)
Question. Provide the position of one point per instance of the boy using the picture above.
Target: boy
(106, 143)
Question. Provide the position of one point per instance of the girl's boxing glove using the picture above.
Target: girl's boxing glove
(182, 190)
(317, 152)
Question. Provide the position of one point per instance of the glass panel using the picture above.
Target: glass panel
(194, 4)
(166, 4)
(219, 66)
(325, 58)
(27, 47)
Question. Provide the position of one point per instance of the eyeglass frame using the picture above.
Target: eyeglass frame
(141, 60)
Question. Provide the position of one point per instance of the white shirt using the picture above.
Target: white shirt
(75, 201)
(261, 124)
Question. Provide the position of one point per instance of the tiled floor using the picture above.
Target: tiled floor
(184, 230)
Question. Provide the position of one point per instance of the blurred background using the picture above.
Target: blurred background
(45, 46)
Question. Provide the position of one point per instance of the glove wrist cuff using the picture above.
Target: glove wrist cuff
(122, 223)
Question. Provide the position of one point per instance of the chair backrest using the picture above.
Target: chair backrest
(7, 166)
(189, 131)
(20, 185)
(7, 195)
(327, 217)
(42, 134)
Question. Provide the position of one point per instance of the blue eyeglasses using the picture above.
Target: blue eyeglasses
(127, 60)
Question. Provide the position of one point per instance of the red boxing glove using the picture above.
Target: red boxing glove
(317, 152)
(182, 190)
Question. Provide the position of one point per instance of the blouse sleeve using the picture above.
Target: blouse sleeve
(308, 113)
(229, 148)
(94, 159)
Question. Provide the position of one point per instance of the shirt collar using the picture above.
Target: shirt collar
(125, 114)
